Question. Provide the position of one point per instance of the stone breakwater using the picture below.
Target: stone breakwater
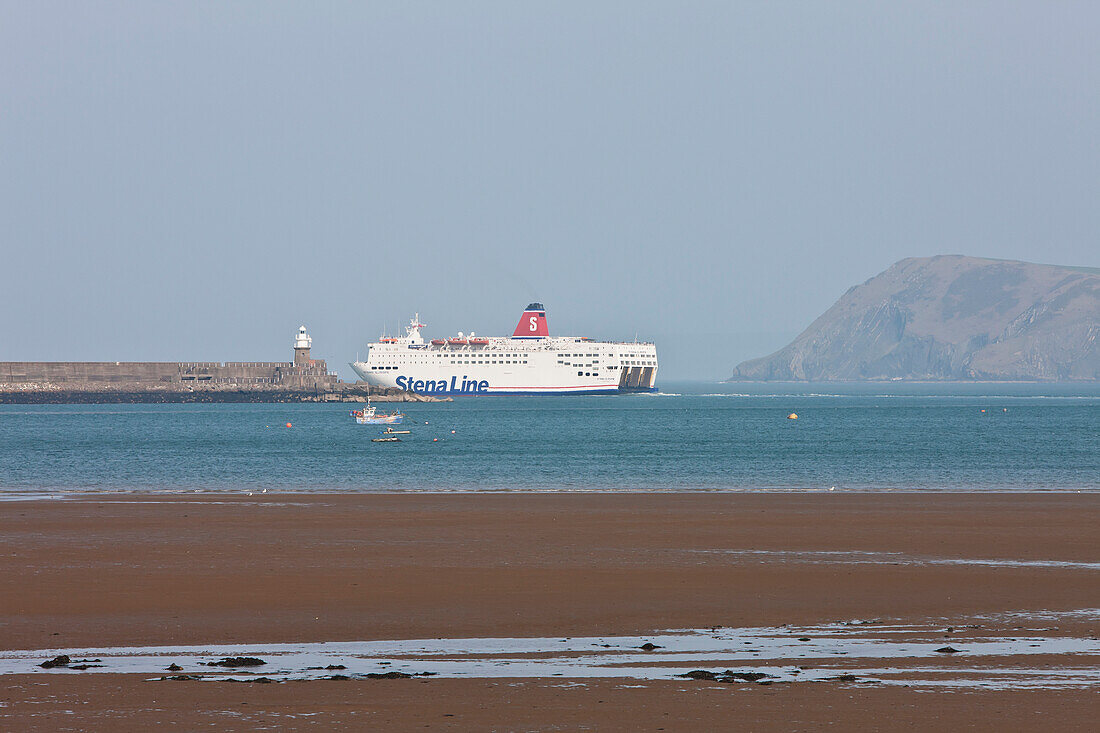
(303, 380)
(309, 374)
(133, 393)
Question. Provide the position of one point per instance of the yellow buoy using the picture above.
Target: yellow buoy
(792, 416)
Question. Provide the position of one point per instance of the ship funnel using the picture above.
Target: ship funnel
(532, 324)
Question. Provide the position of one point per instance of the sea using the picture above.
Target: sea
(689, 436)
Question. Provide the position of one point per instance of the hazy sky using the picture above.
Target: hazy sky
(191, 181)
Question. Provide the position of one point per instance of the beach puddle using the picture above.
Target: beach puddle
(851, 652)
(853, 557)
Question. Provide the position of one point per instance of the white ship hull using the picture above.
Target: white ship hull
(509, 365)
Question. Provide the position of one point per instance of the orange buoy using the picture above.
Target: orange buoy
(288, 425)
(435, 440)
(792, 416)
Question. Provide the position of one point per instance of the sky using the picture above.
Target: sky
(193, 181)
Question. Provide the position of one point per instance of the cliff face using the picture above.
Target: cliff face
(950, 317)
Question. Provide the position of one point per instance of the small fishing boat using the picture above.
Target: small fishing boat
(393, 439)
(369, 416)
(391, 431)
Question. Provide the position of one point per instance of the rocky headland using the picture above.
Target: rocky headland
(950, 317)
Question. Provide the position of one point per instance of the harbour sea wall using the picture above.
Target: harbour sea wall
(312, 374)
(303, 380)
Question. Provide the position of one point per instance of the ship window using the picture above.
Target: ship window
(580, 374)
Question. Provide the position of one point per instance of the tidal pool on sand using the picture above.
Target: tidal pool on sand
(921, 655)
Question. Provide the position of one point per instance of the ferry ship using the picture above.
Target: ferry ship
(530, 361)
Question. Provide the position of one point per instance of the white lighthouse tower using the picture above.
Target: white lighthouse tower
(302, 342)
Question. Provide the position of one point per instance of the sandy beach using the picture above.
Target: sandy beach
(271, 569)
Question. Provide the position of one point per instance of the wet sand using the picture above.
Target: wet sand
(278, 568)
(118, 702)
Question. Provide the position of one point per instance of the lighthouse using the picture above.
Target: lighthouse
(302, 343)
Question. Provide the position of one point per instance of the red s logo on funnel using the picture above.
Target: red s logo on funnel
(532, 324)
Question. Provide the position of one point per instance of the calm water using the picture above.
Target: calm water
(695, 436)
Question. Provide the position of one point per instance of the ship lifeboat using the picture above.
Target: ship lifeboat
(456, 342)
(388, 340)
(479, 342)
(438, 342)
